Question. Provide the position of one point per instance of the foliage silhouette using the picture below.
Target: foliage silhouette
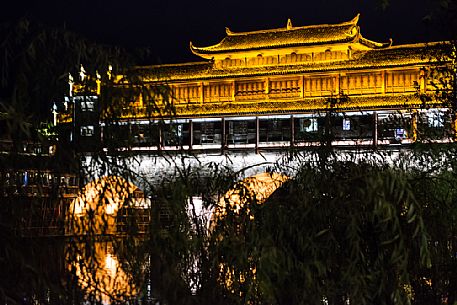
(366, 228)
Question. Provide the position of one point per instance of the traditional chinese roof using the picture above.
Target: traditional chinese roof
(289, 36)
(397, 56)
(304, 105)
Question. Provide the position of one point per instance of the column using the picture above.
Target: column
(201, 91)
(191, 134)
(414, 125)
(375, 129)
(337, 84)
(422, 77)
(454, 126)
(160, 137)
(292, 130)
(257, 134)
(223, 139)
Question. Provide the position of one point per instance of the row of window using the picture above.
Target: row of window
(355, 83)
(31, 177)
(391, 127)
(260, 60)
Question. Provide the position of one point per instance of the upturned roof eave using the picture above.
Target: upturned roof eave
(297, 70)
(202, 52)
(344, 31)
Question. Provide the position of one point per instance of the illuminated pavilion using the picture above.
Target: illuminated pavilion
(273, 88)
(264, 90)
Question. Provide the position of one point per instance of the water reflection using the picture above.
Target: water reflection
(100, 272)
(105, 220)
(96, 209)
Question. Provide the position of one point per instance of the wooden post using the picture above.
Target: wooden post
(337, 84)
(223, 135)
(201, 91)
(414, 125)
(292, 130)
(375, 129)
(161, 142)
(454, 126)
(422, 77)
(257, 126)
(191, 134)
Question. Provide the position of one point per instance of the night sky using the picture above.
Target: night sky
(167, 26)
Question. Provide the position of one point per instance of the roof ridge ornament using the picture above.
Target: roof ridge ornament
(287, 37)
(373, 44)
(192, 48)
(289, 24)
(355, 20)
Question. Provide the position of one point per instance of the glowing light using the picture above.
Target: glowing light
(253, 189)
(82, 73)
(111, 264)
(100, 273)
(103, 198)
(94, 211)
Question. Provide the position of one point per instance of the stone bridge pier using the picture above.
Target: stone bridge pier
(153, 169)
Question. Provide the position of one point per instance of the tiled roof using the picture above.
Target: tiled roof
(283, 37)
(302, 105)
(398, 56)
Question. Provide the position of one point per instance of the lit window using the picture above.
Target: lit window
(179, 130)
(88, 106)
(435, 119)
(400, 134)
(346, 124)
(87, 131)
(308, 125)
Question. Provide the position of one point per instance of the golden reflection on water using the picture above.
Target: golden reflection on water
(93, 214)
(100, 272)
(98, 269)
(95, 209)
(252, 190)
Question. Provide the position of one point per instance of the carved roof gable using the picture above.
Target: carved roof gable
(288, 36)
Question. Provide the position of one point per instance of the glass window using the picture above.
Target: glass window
(346, 124)
(87, 131)
(241, 132)
(207, 133)
(271, 130)
(435, 119)
(400, 134)
(308, 125)
(176, 134)
(88, 106)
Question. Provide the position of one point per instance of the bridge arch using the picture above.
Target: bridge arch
(96, 208)
(254, 189)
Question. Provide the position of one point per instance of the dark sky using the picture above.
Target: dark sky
(168, 26)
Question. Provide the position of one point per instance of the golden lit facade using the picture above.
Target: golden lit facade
(296, 69)
(270, 88)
